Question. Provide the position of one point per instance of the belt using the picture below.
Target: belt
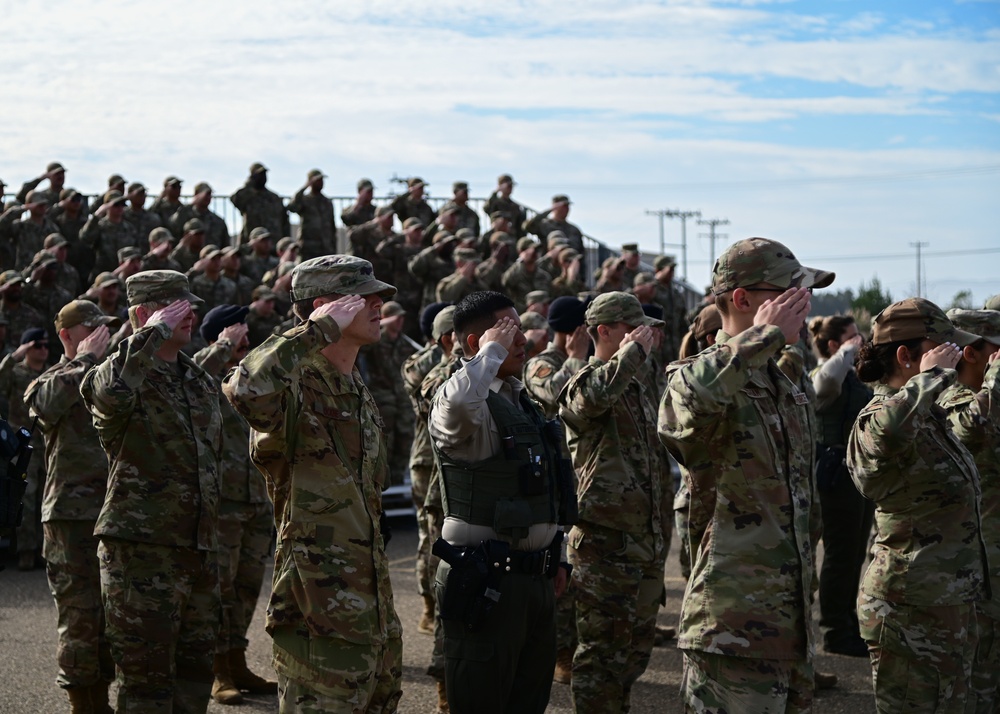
(530, 562)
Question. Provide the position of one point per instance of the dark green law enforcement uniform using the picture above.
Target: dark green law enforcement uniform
(499, 480)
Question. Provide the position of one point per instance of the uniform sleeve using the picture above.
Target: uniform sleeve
(546, 385)
(828, 379)
(241, 198)
(213, 358)
(91, 231)
(704, 386)
(594, 392)
(296, 204)
(53, 394)
(459, 408)
(976, 421)
(28, 186)
(259, 386)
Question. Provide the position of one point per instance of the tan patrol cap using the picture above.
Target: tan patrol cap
(84, 312)
(761, 260)
(914, 319)
(392, 308)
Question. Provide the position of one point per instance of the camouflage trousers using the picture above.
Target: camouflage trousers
(420, 477)
(722, 684)
(325, 675)
(984, 694)
(618, 583)
(244, 546)
(161, 604)
(921, 656)
(29, 533)
(71, 564)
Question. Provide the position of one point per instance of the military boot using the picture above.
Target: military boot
(426, 625)
(443, 707)
(79, 700)
(224, 691)
(99, 698)
(247, 680)
(564, 667)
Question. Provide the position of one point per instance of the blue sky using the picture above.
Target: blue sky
(845, 129)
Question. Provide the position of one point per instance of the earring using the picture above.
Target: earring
(907, 365)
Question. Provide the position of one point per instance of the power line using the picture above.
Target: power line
(712, 223)
(898, 256)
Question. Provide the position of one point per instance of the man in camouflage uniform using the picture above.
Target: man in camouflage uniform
(262, 319)
(395, 252)
(73, 496)
(669, 297)
(365, 239)
(544, 378)
(501, 202)
(21, 239)
(216, 230)
(618, 547)
(188, 250)
(465, 216)
(412, 204)
(317, 438)
(20, 316)
(464, 280)
(259, 261)
(739, 431)
(142, 221)
(524, 275)
(55, 174)
(630, 254)
(107, 232)
(380, 364)
(157, 415)
(43, 293)
(431, 265)
(71, 218)
(503, 248)
(210, 284)
(66, 275)
(260, 206)
(554, 219)
(245, 515)
(231, 259)
(362, 210)
(160, 247)
(169, 200)
(17, 370)
(116, 183)
(318, 231)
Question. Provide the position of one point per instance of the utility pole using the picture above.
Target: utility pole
(660, 215)
(918, 245)
(712, 223)
(683, 215)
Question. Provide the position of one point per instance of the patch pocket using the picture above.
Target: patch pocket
(751, 441)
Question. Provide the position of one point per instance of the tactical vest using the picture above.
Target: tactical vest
(836, 420)
(514, 489)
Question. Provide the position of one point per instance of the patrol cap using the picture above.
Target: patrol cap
(257, 168)
(42, 258)
(416, 181)
(664, 261)
(201, 187)
(54, 240)
(608, 308)
(391, 309)
(459, 186)
(263, 292)
(525, 243)
(760, 260)
(464, 234)
(365, 183)
(444, 237)
(84, 312)
(128, 253)
(992, 303)
(643, 279)
(194, 226)
(451, 208)
(566, 313)
(467, 255)
(68, 193)
(985, 323)
(115, 179)
(505, 178)
(135, 186)
(314, 173)
(160, 235)
(105, 279)
(219, 318)
(172, 181)
(917, 318)
(210, 251)
(384, 211)
(707, 322)
(533, 321)
(229, 250)
(499, 214)
(560, 198)
(444, 322)
(630, 248)
(159, 286)
(536, 296)
(286, 243)
(259, 233)
(336, 275)
(114, 198)
(8, 278)
(411, 222)
(36, 196)
(33, 334)
(502, 237)
(54, 166)
(567, 254)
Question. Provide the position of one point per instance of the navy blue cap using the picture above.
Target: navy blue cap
(566, 313)
(427, 318)
(219, 318)
(34, 334)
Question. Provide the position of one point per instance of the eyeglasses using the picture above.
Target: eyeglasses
(771, 290)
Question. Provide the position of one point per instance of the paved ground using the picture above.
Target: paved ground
(28, 637)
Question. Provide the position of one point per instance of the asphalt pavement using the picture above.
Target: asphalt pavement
(28, 644)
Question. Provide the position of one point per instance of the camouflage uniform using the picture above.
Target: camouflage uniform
(429, 268)
(216, 230)
(106, 239)
(24, 237)
(20, 317)
(355, 216)
(405, 207)
(165, 209)
(509, 207)
(455, 287)
(541, 225)
(364, 241)
(14, 380)
(221, 291)
(256, 266)
(518, 282)
(317, 439)
(260, 207)
(260, 328)
(245, 516)
(318, 231)
(669, 297)
(618, 547)
(143, 222)
(160, 425)
(395, 254)
(74, 494)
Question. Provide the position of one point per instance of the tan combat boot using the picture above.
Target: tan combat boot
(443, 707)
(564, 667)
(79, 700)
(224, 690)
(247, 680)
(426, 625)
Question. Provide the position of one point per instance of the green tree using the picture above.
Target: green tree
(871, 298)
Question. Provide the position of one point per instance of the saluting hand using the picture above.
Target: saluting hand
(787, 312)
(944, 355)
(578, 342)
(502, 333)
(96, 343)
(172, 315)
(642, 335)
(342, 310)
